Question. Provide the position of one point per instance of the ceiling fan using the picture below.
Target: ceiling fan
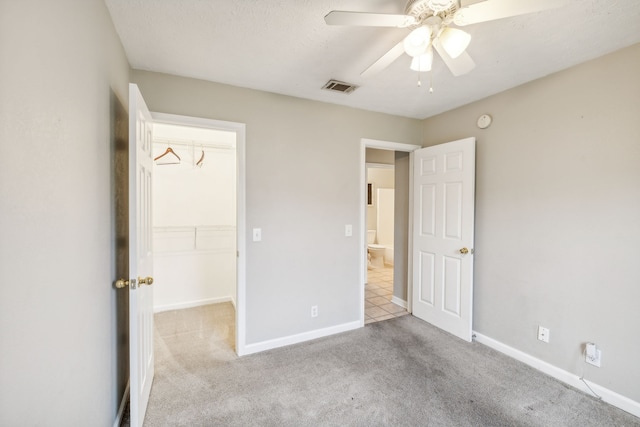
(431, 24)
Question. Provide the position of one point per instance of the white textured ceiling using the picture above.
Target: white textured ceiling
(284, 46)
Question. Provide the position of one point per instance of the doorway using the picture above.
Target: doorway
(379, 299)
(194, 218)
(198, 216)
(386, 287)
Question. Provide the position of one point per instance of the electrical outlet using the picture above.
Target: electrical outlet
(543, 334)
(593, 355)
(314, 311)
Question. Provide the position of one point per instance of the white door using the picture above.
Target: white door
(443, 219)
(140, 256)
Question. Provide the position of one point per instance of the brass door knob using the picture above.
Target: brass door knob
(145, 281)
(122, 283)
(464, 251)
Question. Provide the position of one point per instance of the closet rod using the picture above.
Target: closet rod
(191, 143)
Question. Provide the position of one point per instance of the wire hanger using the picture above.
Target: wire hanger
(200, 162)
(169, 150)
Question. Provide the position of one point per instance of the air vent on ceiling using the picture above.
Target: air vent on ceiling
(338, 86)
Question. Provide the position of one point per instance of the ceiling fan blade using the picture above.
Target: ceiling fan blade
(384, 61)
(489, 10)
(364, 19)
(458, 66)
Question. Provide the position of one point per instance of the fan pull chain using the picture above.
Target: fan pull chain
(431, 81)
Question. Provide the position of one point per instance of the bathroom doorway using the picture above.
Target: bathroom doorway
(379, 301)
(385, 211)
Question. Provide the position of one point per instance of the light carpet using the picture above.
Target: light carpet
(399, 372)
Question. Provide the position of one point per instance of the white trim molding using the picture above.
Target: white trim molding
(298, 338)
(381, 145)
(380, 165)
(397, 301)
(241, 264)
(191, 304)
(389, 145)
(573, 380)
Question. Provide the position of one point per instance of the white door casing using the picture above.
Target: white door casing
(240, 131)
(443, 230)
(141, 358)
(382, 145)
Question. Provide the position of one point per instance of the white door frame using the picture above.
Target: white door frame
(380, 145)
(240, 130)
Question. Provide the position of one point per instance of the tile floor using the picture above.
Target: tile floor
(377, 296)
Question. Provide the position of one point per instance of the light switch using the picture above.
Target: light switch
(257, 234)
(348, 230)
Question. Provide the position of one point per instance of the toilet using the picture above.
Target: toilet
(376, 252)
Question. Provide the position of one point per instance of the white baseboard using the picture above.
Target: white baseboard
(189, 304)
(397, 301)
(123, 403)
(573, 380)
(298, 338)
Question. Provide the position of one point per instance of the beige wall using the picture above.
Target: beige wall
(59, 62)
(558, 215)
(375, 155)
(401, 230)
(290, 143)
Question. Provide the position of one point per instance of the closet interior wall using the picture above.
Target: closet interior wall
(194, 217)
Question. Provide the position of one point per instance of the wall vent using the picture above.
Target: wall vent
(338, 86)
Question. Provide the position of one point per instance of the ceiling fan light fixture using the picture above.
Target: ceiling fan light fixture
(454, 41)
(418, 41)
(423, 62)
(439, 5)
